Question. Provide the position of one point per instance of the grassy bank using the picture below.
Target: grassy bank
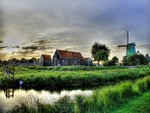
(102, 101)
(139, 104)
(33, 76)
(108, 98)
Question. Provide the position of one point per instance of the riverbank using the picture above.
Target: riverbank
(64, 77)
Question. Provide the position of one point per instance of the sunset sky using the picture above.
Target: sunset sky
(29, 28)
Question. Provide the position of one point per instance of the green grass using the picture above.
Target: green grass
(139, 104)
(43, 76)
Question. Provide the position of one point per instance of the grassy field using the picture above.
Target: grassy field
(73, 76)
(109, 99)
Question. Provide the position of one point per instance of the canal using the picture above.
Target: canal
(11, 97)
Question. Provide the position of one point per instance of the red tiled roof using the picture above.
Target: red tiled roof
(46, 57)
(70, 54)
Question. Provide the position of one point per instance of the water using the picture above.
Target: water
(11, 97)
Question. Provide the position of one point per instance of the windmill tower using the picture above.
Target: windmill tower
(130, 47)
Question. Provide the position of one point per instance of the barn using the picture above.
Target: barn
(67, 58)
(45, 60)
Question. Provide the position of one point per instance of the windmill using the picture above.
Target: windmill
(130, 47)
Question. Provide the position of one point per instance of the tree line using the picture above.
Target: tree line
(100, 53)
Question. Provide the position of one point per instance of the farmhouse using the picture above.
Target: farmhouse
(67, 58)
(45, 60)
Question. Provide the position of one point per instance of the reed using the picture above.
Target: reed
(63, 105)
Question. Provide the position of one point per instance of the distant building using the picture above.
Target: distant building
(45, 60)
(88, 62)
(67, 58)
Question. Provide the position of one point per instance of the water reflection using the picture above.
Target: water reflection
(9, 92)
(10, 97)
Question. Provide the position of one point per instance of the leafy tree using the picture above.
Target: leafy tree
(101, 55)
(136, 59)
(111, 62)
(100, 52)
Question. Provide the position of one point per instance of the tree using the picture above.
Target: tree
(14, 60)
(32, 60)
(136, 59)
(23, 60)
(101, 55)
(111, 62)
(100, 52)
(115, 60)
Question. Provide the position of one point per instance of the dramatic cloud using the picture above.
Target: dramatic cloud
(2, 47)
(41, 26)
(32, 48)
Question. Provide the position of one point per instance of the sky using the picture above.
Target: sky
(29, 28)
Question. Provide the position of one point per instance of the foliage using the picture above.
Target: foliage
(101, 55)
(111, 62)
(136, 59)
(43, 77)
(100, 52)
